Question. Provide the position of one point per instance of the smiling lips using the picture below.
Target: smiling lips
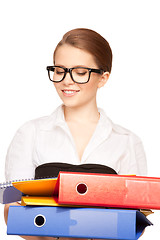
(69, 93)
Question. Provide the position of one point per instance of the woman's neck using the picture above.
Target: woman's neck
(81, 114)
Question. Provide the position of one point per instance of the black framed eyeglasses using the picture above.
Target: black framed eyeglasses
(78, 74)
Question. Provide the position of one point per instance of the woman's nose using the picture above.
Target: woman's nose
(68, 80)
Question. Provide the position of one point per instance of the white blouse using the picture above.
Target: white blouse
(48, 139)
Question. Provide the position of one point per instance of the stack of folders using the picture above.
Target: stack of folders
(82, 205)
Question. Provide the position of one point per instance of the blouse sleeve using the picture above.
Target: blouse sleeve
(140, 158)
(19, 160)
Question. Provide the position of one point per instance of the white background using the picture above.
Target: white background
(29, 32)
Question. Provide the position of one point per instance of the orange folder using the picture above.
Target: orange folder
(40, 187)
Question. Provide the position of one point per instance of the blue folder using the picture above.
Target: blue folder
(76, 222)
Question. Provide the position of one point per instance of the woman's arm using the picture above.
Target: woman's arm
(6, 209)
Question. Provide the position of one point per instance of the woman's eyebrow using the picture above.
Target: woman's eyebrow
(81, 66)
(75, 66)
(60, 65)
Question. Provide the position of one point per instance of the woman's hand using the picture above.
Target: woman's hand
(6, 209)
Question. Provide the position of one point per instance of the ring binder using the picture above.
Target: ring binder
(76, 222)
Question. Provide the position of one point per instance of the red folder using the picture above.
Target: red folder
(109, 190)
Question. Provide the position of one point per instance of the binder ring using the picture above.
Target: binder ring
(82, 188)
(39, 220)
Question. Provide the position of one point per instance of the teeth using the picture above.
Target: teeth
(69, 92)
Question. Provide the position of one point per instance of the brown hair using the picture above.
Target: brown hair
(91, 42)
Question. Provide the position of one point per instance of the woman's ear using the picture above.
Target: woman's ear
(104, 78)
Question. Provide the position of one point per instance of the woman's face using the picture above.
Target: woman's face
(71, 93)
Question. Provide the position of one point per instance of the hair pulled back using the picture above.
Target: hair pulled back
(92, 42)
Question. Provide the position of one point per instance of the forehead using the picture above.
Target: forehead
(70, 56)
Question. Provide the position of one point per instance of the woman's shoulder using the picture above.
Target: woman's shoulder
(120, 130)
(42, 123)
(124, 131)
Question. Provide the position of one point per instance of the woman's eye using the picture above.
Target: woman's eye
(81, 72)
(59, 71)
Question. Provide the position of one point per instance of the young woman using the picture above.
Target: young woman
(77, 132)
